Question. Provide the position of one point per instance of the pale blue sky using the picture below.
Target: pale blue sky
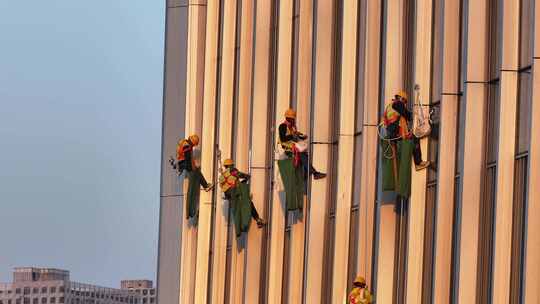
(80, 136)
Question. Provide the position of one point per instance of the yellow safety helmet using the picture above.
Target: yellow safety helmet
(403, 94)
(228, 162)
(290, 113)
(359, 280)
(194, 139)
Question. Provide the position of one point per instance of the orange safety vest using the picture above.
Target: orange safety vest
(289, 145)
(391, 116)
(227, 180)
(182, 147)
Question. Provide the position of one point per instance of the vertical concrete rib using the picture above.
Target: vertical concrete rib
(473, 148)
(298, 229)
(225, 130)
(417, 203)
(321, 153)
(447, 152)
(208, 153)
(194, 107)
(393, 82)
(506, 151)
(345, 164)
(282, 102)
(531, 292)
(243, 126)
(260, 134)
(370, 101)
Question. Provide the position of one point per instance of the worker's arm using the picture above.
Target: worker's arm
(240, 174)
(283, 137)
(402, 110)
(301, 135)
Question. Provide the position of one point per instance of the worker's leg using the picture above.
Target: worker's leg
(203, 181)
(254, 212)
(417, 155)
(255, 215)
(308, 168)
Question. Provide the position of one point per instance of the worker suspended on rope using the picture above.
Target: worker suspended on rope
(360, 294)
(234, 185)
(291, 141)
(396, 120)
(185, 161)
(184, 157)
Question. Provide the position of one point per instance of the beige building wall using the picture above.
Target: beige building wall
(468, 232)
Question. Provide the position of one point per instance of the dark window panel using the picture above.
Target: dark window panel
(518, 230)
(524, 112)
(485, 251)
(526, 33)
(429, 243)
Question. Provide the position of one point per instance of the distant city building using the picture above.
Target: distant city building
(144, 288)
(33, 285)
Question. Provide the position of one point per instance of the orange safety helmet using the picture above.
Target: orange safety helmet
(290, 113)
(194, 139)
(403, 95)
(360, 280)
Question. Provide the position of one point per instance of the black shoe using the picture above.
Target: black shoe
(318, 175)
(261, 223)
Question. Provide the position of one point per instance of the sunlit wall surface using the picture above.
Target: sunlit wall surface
(470, 232)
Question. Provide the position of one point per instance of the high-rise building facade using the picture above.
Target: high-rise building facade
(469, 233)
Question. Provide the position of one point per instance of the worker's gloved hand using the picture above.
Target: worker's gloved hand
(172, 163)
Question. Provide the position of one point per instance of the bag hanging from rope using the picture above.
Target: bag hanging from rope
(422, 120)
(241, 207)
(293, 184)
(193, 193)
